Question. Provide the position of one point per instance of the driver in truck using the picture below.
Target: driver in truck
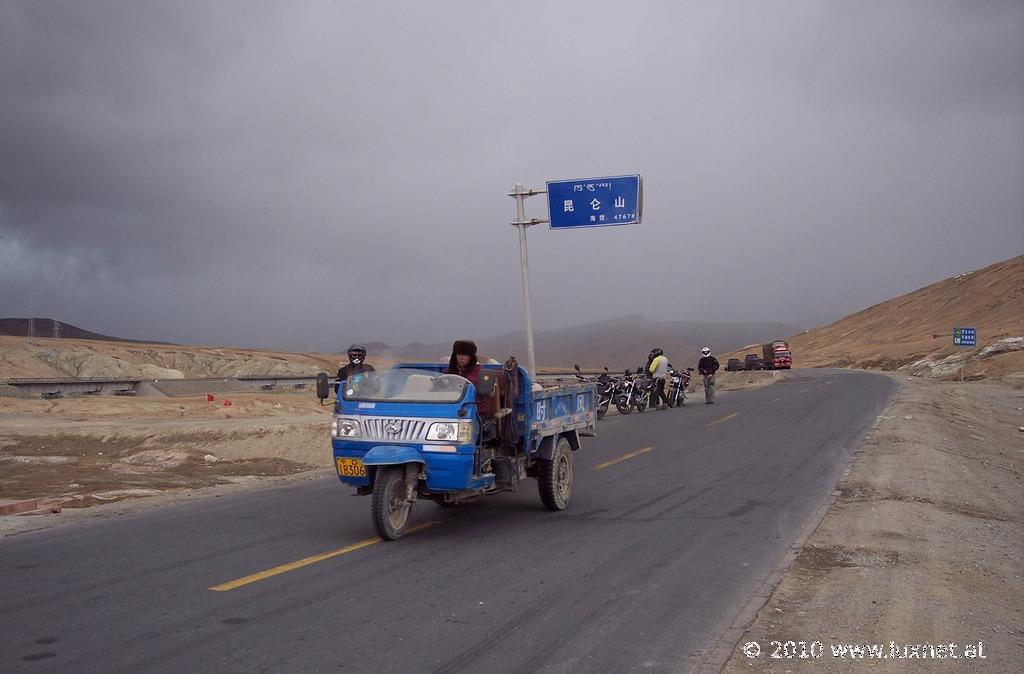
(464, 364)
(463, 361)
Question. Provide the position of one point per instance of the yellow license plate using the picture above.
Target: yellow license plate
(351, 468)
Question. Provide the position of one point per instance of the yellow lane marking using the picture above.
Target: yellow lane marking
(725, 418)
(642, 450)
(306, 561)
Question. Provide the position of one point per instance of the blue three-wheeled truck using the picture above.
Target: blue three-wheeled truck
(414, 433)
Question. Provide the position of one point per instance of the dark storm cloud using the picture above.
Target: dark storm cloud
(248, 172)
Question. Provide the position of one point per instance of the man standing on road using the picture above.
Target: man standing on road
(657, 368)
(707, 366)
(356, 365)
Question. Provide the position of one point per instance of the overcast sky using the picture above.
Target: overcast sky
(235, 172)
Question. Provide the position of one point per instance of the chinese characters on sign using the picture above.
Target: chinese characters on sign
(594, 202)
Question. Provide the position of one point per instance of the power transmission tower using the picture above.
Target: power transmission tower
(56, 338)
(31, 331)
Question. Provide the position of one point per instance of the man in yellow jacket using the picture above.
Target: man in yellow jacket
(657, 368)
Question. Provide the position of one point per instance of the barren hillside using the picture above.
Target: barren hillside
(48, 327)
(88, 358)
(913, 332)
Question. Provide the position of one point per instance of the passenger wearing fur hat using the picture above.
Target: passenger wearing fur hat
(463, 361)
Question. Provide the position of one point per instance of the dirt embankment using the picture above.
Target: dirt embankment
(80, 452)
(89, 358)
(923, 545)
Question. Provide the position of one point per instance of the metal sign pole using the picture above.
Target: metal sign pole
(531, 358)
(590, 202)
(519, 194)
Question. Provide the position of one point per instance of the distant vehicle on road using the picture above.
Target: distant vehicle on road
(752, 361)
(776, 355)
(734, 365)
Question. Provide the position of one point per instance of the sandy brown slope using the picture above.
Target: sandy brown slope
(89, 358)
(901, 332)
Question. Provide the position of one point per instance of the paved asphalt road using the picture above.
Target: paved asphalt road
(655, 556)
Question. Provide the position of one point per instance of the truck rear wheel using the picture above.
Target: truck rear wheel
(554, 477)
(390, 510)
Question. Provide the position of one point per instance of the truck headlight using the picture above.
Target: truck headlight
(459, 431)
(343, 427)
(446, 430)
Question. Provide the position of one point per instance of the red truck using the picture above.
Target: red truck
(776, 355)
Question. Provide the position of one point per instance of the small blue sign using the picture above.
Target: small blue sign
(595, 202)
(965, 337)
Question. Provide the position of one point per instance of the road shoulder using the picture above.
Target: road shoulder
(922, 545)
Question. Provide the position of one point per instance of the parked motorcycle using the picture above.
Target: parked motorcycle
(604, 387)
(643, 386)
(678, 382)
(624, 393)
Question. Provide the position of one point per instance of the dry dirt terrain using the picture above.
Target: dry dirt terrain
(80, 452)
(923, 545)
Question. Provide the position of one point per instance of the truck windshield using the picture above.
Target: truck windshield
(405, 385)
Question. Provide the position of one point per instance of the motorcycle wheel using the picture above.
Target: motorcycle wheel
(601, 411)
(623, 406)
(641, 405)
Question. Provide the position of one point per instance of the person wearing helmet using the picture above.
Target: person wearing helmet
(707, 366)
(657, 369)
(356, 365)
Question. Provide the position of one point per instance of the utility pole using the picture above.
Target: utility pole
(519, 193)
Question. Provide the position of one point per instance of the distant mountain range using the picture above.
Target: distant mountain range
(618, 343)
(912, 331)
(18, 327)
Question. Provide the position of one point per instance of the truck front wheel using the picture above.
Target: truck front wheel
(390, 507)
(554, 477)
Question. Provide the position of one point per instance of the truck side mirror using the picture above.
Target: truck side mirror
(323, 387)
(486, 383)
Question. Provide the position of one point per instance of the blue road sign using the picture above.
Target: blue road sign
(595, 202)
(965, 337)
